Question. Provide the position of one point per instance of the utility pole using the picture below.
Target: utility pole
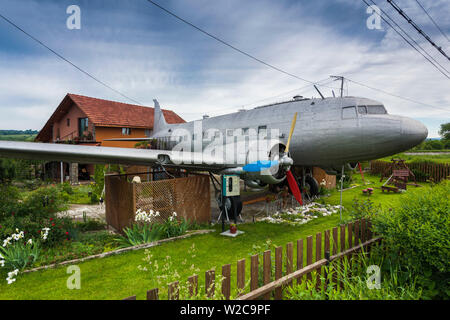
(342, 83)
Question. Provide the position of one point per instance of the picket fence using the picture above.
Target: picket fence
(329, 246)
(423, 170)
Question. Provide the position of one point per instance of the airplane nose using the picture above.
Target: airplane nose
(413, 132)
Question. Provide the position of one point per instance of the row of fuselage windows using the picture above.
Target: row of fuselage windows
(261, 130)
(351, 111)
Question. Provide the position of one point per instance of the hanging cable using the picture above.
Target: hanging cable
(432, 20)
(411, 22)
(67, 60)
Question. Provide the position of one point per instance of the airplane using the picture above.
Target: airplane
(264, 142)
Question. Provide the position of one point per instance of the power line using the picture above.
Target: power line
(432, 20)
(406, 40)
(276, 68)
(397, 96)
(66, 60)
(228, 44)
(411, 22)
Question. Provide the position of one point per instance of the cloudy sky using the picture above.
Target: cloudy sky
(144, 53)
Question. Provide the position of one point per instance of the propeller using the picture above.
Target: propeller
(293, 186)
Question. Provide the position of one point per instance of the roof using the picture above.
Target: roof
(106, 113)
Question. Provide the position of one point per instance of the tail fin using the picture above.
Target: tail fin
(159, 120)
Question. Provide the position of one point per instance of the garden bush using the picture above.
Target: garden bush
(417, 235)
(395, 283)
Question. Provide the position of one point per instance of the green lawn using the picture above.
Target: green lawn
(117, 277)
(18, 137)
(423, 157)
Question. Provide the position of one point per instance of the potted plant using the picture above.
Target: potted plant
(233, 228)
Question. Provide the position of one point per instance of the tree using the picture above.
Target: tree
(444, 132)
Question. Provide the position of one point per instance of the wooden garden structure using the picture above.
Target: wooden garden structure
(398, 179)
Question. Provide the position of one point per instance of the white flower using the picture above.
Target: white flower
(44, 233)
(2, 263)
(12, 274)
(174, 214)
(30, 241)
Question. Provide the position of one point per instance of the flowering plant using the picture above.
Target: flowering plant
(16, 253)
(145, 230)
(174, 227)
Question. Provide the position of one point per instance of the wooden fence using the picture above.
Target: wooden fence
(423, 170)
(189, 197)
(331, 245)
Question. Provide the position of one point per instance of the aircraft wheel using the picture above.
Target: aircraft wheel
(311, 186)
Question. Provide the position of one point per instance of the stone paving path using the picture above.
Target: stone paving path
(76, 211)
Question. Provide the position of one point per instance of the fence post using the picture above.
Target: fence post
(226, 282)
(299, 258)
(318, 256)
(193, 285)
(152, 294)
(309, 246)
(173, 291)
(278, 270)
(254, 272)
(210, 287)
(289, 261)
(327, 256)
(267, 270)
(241, 276)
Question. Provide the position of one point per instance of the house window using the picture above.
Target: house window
(245, 131)
(349, 113)
(68, 122)
(83, 124)
(148, 132)
(126, 131)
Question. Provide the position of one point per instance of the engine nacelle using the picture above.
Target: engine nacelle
(255, 184)
(258, 154)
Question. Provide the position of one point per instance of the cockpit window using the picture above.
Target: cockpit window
(349, 112)
(378, 109)
(362, 109)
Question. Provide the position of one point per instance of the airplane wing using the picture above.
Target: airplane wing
(96, 154)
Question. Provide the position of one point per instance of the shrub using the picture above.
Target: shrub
(9, 201)
(173, 227)
(364, 209)
(139, 234)
(395, 284)
(66, 187)
(144, 230)
(417, 234)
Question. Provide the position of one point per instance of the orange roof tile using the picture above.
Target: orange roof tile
(106, 113)
(111, 113)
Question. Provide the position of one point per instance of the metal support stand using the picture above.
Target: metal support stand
(342, 186)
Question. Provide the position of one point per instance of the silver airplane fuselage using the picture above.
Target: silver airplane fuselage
(328, 132)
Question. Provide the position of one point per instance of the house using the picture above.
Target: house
(90, 121)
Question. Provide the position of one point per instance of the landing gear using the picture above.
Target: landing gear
(311, 188)
(306, 182)
(230, 206)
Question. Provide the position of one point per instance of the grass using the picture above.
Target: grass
(424, 157)
(117, 277)
(18, 137)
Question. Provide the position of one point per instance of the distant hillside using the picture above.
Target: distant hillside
(18, 132)
(18, 135)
